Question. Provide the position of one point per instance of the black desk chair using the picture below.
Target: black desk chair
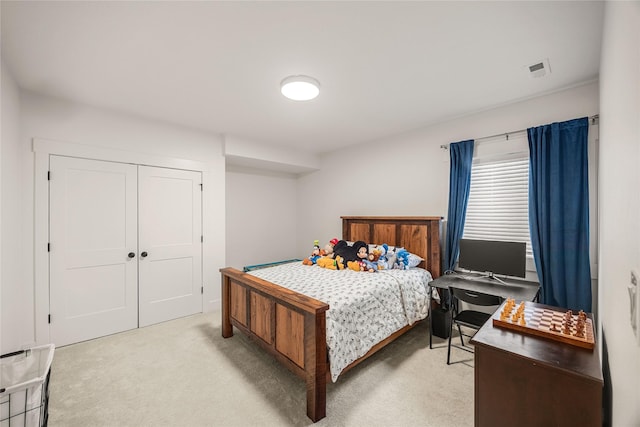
(470, 318)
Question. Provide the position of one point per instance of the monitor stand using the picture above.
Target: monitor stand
(490, 275)
(486, 275)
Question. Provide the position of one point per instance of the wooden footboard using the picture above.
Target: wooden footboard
(289, 325)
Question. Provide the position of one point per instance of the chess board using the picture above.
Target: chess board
(547, 322)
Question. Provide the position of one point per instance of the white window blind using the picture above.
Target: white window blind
(498, 206)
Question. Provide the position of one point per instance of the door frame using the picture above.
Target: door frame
(44, 148)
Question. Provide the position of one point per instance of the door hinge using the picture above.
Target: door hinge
(201, 239)
(48, 175)
(201, 186)
(48, 247)
(202, 290)
(49, 318)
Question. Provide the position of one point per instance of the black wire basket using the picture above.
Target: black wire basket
(24, 387)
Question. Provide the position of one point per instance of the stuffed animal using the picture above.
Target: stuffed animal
(356, 265)
(391, 258)
(316, 253)
(365, 261)
(371, 263)
(330, 259)
(331, 263)
(350, 253)
(341, 248)
(382, 250)
(402, 259)
(329, 247)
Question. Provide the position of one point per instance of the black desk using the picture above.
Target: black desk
(519, 290)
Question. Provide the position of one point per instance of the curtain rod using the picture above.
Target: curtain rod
(593, 119)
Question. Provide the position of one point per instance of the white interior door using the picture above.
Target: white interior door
(170, 230)
(93, 232)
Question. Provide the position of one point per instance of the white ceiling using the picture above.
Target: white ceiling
(384, 67)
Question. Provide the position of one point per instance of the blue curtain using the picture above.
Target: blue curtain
(559, 212)
(461, 154)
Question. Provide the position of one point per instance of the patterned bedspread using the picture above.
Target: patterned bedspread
(364, 308)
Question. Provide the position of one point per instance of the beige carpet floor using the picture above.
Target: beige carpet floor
(183, 373)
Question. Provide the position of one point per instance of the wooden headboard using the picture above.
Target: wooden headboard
(417, 234)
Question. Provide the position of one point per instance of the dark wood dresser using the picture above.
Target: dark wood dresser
(523, 380)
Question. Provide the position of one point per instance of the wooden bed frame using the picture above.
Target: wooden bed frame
(292, 326)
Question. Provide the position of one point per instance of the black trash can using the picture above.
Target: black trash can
(441, 319)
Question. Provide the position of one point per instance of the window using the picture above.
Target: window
(498, 206)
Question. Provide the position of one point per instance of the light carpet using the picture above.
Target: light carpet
(183, 373)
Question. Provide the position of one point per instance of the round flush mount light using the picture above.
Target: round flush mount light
(300, 88)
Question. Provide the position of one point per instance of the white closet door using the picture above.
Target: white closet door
(170, 245)
(93, 231)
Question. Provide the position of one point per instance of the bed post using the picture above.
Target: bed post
(316, 365)
(227, 328)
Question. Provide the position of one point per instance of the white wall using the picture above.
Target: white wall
(10, 213)
(619, 181)
(96, 129)
(409, 174)
(261, 217)
(257, 155)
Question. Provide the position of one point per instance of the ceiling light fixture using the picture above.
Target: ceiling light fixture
(300, 88)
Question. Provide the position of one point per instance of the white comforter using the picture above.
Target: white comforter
(364, 308)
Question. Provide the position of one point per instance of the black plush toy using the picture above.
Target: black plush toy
(349, 253)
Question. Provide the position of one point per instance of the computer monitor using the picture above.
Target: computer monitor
(493, 257)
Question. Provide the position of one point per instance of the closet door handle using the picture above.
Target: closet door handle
(144, 254)
(131, 255)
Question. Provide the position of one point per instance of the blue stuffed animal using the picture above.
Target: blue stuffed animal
(402, 259)
(383, 261)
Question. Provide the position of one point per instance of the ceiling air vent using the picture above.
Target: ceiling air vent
(539, 69)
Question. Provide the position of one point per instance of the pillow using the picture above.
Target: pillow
(414, 260)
